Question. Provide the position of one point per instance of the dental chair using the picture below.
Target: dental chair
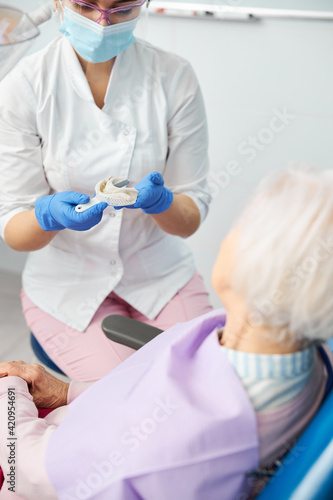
(305, 473)
(42, 356)
(123, 330)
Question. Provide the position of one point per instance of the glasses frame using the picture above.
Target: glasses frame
(105, 14)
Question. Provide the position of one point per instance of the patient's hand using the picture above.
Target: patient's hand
(47, 391)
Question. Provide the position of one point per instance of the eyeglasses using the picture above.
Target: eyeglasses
(91, 11)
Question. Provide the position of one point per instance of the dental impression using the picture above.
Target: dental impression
(112, 191)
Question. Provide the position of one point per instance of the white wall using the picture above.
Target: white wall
(246, 71)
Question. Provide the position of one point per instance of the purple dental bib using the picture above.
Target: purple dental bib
(172, 422)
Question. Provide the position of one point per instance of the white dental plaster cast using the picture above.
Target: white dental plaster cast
(112, 191)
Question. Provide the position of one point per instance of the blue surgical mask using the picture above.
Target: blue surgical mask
(93, 42)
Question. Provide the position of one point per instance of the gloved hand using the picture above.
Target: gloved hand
(153, 197)
(57, 211)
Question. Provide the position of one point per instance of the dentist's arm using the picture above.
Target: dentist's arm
(182, 218)
(175, 214)
(34, 229)
(24, 234)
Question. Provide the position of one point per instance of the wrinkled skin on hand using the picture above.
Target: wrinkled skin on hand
(47, 391)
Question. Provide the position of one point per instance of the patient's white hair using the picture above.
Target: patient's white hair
(284, 265)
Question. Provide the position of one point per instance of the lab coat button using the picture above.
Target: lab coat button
(124, 147)
(113, 262)
(112, 214)
(125, 132)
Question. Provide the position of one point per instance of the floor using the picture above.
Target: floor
(14, 333)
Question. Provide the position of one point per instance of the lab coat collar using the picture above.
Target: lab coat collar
(77, 76)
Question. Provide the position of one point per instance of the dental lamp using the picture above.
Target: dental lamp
(18, 30)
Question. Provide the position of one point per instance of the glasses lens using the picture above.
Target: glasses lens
(83, 10)
(122, 11)
(126, 11)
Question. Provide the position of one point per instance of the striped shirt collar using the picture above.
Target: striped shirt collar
(277, 366)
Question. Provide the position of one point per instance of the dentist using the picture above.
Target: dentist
(95, 103)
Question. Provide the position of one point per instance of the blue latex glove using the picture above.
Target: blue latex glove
(57, 211)
(153, 197)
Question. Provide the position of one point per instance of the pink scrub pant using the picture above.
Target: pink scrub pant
(88, 356)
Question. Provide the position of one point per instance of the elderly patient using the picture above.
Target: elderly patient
(193, 413)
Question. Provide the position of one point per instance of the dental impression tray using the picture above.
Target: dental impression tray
(112, 191)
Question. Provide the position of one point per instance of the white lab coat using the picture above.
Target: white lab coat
(54, 138)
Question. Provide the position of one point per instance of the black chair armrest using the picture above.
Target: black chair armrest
(128, 331)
